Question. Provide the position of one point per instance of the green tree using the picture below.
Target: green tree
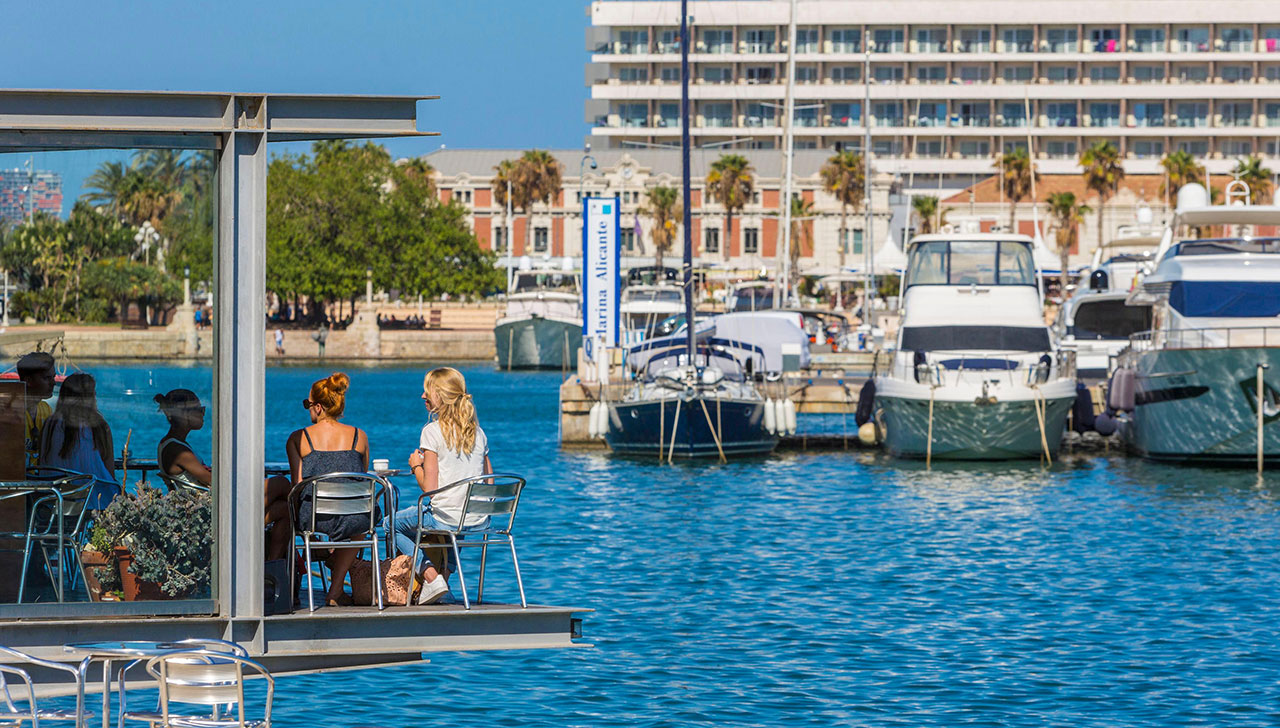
(1017, 174)
(926, 209)
(1180, 168)
(844, 176)
(802, 215)
(1102, 174)
(665, 211)
(731, 182)
(1251, 172)
(1067, 214)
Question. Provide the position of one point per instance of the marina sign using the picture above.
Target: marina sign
(600, 280)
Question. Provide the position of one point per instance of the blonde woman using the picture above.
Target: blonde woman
(452, 447)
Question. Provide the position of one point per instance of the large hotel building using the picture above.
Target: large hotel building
(952, 84)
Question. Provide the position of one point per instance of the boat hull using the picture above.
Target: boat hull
(537, 343)
(649, 428)
(1200, 405)
(965, 430)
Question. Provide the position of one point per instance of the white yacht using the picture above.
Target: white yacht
(1095, 322)
(542, 326)
(644, 306)
(1189, 387)
(975, 375)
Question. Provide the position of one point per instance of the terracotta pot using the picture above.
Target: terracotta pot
(135, 589)
(91, 560)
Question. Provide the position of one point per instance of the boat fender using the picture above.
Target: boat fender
(1105, 424)
(613, 421)
(1122, 393)
(867, 433)
(602, 424)
(866, 403)
(592, 418)
(1083, 409)
(789, 410)
(770, 417)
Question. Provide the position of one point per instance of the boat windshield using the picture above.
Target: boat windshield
(1109, 320)
(753, 298)
(1227, 246)
(961, 263)
(527, 282)
(654, 295)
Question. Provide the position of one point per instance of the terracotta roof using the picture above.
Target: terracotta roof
(1133, 188)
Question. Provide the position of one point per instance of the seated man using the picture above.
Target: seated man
(37, 372)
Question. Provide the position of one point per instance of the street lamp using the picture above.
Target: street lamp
(582, 179)
(145, 237)
(186, 285)
(368, 285)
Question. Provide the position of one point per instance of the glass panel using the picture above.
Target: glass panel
(846, 114)
(1019, 40)
(846, 40)
(931, 74)
(1061, 40)
(1148, 40)
(1017, 267)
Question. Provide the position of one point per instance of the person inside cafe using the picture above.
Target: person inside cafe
(36, 370)
(77, 437)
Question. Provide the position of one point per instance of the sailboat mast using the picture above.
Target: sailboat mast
(788, 145)
(684, 175)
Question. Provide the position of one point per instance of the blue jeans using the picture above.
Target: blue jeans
(404, 528)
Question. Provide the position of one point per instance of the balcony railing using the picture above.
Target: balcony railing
(845, 46)
(1019, 47)
(718, 122)
(1224, 337)
(1192, 46)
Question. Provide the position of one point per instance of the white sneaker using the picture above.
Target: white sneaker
(433, 590)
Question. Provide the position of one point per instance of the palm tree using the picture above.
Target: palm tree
(1067, 214)
(731, 183)
(926, 208)
(1251, 172)
(665, 211)
(845, 177)
(802, 215)
(1016, 176)
(420, 170)
(1180, 168)
(1102, 174)
(537, 175)
(105, 187)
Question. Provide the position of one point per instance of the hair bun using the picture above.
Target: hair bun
(160, 399)
(339, 382)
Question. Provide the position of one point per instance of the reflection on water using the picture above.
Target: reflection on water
(831, 588)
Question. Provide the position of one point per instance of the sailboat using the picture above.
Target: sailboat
(691, 399)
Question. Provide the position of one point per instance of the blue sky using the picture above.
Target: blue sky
(509, 72)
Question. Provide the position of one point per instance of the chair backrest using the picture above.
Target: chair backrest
(496, 495)
(207, 677)
(344, 494)
(172, 484)
(74, 487)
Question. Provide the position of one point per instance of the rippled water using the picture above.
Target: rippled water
(833, 588)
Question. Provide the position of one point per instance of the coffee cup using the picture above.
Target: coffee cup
(381, 464)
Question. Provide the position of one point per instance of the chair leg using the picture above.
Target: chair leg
(484, 555)
(462, 581)
(377, 573)
(516, 563)
(311, 593)
(26, 564)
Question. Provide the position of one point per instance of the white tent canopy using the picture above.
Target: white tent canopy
(889, 258)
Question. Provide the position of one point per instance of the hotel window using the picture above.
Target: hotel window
(633, 75)
(669, 41)
(669, 115)
(760, 144)
(974, 148)
(759, 74)
(806, 74)
(1147, 40)
(1061, 40)
(856, 248)
(846, 114)
(886, 40)
(540, 239)
(806, 117)
(1236, 74)
(974, 113)
(627, 238)
(1147, 74)
(1236, 147)
(1104, 40)
(846, 74)
(1018, 40)
(718, 40)
(1060, 113)
(886, 148)
(1104, 74)
(466, 197)
(1238, 113)
(632, 115)
(931, 74)
(1271, 73)
(633, 41)
(1013, 113)
(1017, 74)
(888, 74)
(1272, 113)
(846, 40)
(671, 74)
(1194, 147)
(974, 74)
(1198, 73)
(929, 147)
(806, 40)
(1060, 148)
(1147, 148)
(750, 240)
(1060, 74)
(1192, 114)
(711, 240)
(759, 115)
(1191, 40)
(1104, 113)
(1272, 148)
(931, 113)
(804, 144)
(717, 74)
(1270, 39)
(500, 239)
(887, 113)
(931, 40)
(761, 40)
(1016, 145)
(1148, 113)
(973, 40)
(1237, 39)
(717, 115)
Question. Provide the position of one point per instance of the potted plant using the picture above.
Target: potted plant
(161, 544)
(100, 573)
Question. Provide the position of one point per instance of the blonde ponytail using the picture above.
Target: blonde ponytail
(454, 408)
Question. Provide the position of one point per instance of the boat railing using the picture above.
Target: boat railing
(958, 367)
(1208, 337)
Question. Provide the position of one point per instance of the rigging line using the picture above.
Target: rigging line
(715, 436)
(675, 427)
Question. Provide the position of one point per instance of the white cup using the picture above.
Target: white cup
(381, 464)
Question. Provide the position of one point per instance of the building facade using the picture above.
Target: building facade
(23, 193)
(951, 83)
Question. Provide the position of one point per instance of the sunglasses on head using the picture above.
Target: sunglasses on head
(307, 404)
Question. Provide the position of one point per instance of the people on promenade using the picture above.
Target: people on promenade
(328, 446)
(176, 459)
(279, 342)
(76, 437)
(452, 447)
(321, 335)
(36, 370)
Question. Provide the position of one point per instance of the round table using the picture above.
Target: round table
(108, 652)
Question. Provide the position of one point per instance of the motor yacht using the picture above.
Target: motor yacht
(542, 325)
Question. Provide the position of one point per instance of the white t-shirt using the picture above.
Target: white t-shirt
(447, 506)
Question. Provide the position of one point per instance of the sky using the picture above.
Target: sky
(509, 72)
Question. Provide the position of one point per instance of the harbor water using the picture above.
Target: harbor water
(817, 589)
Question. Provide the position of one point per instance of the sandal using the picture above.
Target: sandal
(343, 601)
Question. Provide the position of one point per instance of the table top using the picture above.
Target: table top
(125, 649)
(269, 468)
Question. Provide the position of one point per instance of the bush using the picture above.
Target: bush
(170, 536)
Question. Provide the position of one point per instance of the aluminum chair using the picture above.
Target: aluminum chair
(496, 496)
(172, 484)
(339, 494)
(12, 713)
(196, 644)
(209, 677)
(58, 526)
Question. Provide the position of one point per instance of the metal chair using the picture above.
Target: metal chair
(210, 677)
(58, 525)
(339, 494)
(174, 484)
(13, 714)
(196, 644)
(496, 496)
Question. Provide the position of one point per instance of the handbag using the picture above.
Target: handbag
(397, 576)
